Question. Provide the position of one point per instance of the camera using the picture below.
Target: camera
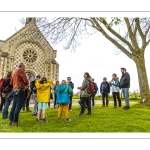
(18, 90)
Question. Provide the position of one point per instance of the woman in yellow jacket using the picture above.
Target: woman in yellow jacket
(43, 96)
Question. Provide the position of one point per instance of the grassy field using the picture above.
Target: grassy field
(108, 119)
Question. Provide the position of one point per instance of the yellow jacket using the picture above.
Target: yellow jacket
(43, 91)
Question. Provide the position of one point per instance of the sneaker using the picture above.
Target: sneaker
(37, 120)
(81, 114)
(124, 107)
(127, 108)
(70, 110)
(59, 119)
(44, 120)
(16, 124)
(34, 114)
(68, 120)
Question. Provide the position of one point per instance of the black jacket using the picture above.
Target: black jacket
(125, 80)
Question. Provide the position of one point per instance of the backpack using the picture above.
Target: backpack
(91, 88)
(33, 87)
(1, 83)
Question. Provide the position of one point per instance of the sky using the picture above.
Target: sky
(95, 55)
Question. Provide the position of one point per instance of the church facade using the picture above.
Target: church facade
(28, 45)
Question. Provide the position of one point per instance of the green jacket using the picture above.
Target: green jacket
(84, 88)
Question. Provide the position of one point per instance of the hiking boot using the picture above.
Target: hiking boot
(37, 120)
(16, 124)
(59, 119)
(44, 120)
(127, 108)
(68, 120)
(81, 114)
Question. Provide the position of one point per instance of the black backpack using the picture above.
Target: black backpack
(33, 87)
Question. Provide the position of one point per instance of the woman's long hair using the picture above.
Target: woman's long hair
(63, 82)
(114, 74)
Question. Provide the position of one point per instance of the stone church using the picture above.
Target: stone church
(28, 45)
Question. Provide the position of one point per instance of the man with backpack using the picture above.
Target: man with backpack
(86, 90)
(94, 93)
(34, 93)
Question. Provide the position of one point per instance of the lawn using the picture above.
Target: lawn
(107, 119)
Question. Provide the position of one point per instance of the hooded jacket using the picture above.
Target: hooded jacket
(125, 80)
(43, 91)
(62, 92)
(115, 85)
(84, 88)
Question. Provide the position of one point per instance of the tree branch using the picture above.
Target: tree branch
(146, 32)
(118, 36)
(131, 35)
(111, 39)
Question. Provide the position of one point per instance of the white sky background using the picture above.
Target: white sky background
(96, 55)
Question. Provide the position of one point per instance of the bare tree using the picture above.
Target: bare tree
(131, 36)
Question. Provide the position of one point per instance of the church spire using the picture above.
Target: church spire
(29, 19)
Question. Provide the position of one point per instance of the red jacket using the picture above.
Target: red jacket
(19, 78)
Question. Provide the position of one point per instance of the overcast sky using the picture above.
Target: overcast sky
(96, 55)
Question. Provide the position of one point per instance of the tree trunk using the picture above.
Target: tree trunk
(143, 81)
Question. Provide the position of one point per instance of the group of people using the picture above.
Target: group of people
(18, 88)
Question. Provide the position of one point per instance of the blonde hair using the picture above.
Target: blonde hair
(63, 82)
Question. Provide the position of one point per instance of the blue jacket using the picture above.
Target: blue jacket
(62, 92)
(105, 88)
(115, 85)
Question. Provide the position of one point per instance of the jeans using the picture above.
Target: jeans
(79, 101)
(35, 107)
(103, 98)
(5, 110)
(17, 105)
(125, 92)
(87, 101)
(116, 94)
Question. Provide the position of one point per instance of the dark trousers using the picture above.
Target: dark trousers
(105, 95)
(55, 100)
(5, 111)
(17, 105)
(116, 94)
(87, 101)
(2, 102)
(92, 99)
(26, 103)
(70, 105)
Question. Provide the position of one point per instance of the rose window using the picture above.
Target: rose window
(30, 56)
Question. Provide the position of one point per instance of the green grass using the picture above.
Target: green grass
(108, 119)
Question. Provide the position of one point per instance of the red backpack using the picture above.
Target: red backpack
(1, 83)
(91, 88)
